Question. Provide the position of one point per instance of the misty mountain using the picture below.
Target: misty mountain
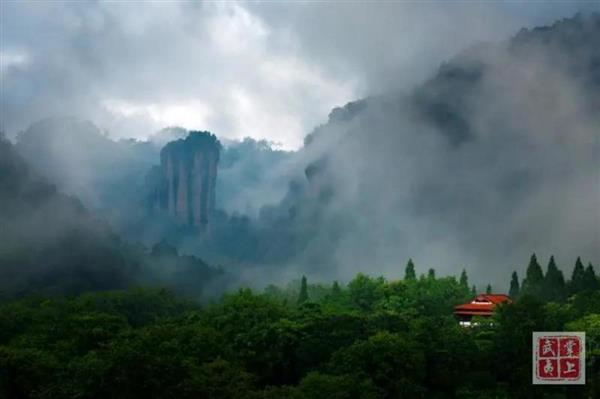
(184, 184)
(50, 243)
(493, 157)
(110, 176)
(48, 240)
(81, 160)
(252, 174)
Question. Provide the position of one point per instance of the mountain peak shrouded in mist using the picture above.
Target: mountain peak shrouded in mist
(76, 156)
(52, 236)
(465, 169)
(187, 179)
(168, 134)
(51, 244)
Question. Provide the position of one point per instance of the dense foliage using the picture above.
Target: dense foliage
(371, 339)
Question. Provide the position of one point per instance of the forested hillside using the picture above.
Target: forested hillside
(371, 338)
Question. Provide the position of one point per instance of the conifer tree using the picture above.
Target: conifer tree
(513, 292)
(473, 290)
(464, 280)
(554, 283)
(591, 281)
(303, 296)
(488, 289)
(534, 279)
(577, 283)
(409, 272)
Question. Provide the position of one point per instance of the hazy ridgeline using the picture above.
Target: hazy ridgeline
(492, 158)
(50, 244)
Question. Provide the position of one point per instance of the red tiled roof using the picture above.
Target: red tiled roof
(475, 306)
(480, 307)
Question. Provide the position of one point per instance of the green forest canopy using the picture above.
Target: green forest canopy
(372, 338)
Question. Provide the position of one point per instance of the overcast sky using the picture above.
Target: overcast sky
(267, 70)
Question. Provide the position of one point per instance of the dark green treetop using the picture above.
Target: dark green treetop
(464, 279)
(431, 274)
(534, 279)
(303, 296)
(513, 292)
(488, 289)
(554, 283)
(591, 280)
(577, 278)
(409, 272)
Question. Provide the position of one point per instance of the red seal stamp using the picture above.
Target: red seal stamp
(559, 358)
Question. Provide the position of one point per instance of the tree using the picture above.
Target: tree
(364, 291)
(534, 279)
(303, 296)
(431, 274)
(473, 290)
(409, 272)
(393, 361)
(577, 278)
(513, 292)
(464, 280)
(554, 283)
(591, 281)
(316, 386)
(220, 379)
(488, 289)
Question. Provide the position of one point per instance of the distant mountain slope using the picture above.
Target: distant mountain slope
(492, 158)
(50, 243)
(495, 156)
(252, 173)
(77, 157)
(109, 176)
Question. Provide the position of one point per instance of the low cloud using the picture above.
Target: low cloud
(134, 69)
(264, 70)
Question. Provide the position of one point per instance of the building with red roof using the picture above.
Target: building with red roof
(482, 306)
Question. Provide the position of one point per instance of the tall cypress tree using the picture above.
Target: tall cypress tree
(473, 290)
(577, 278)
(534, 279)
(513, 292)
(409, 271)
(488, 289)
(591, 281)
(554, 283)
(303, 296)
(464, 280)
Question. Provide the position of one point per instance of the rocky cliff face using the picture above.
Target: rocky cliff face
(185, 182)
